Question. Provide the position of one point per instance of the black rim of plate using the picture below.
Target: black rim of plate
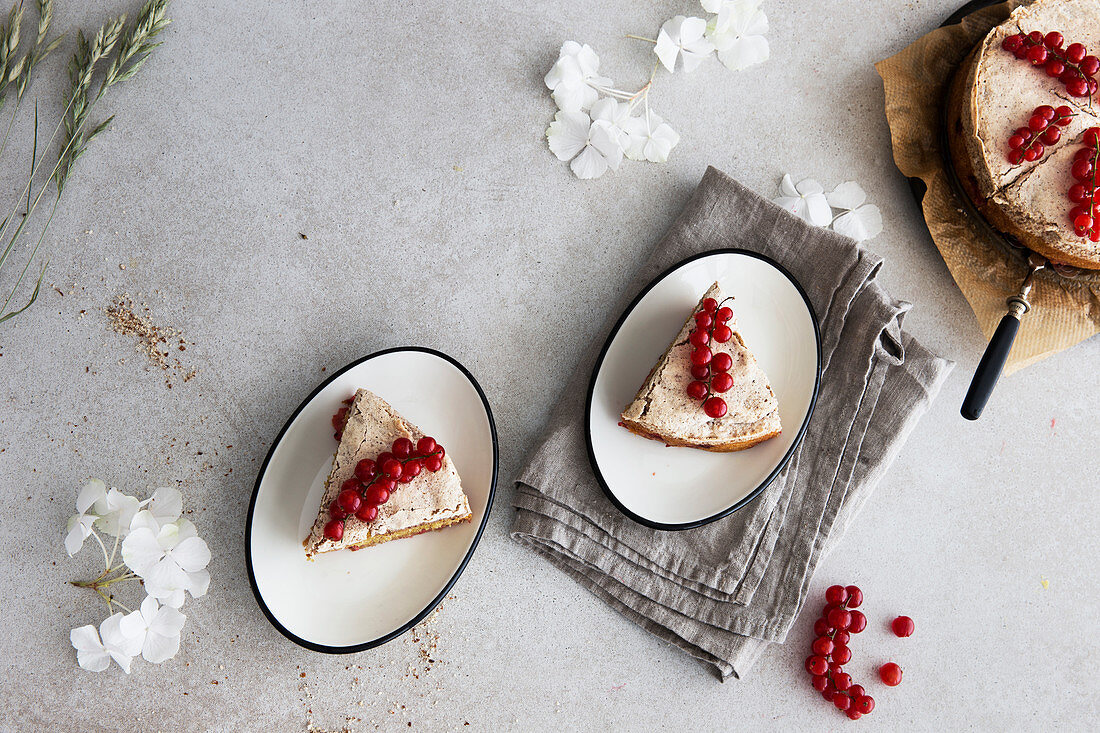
(782, 462)
(465, 560)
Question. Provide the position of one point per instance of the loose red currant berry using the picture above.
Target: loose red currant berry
(392, 468)
(1082, 224)
(842, 681)
(1037, 55)
(715, 407)
(367, 512)
(701, 356)
(721, 382)
(1075, 53)
(699, 338)
(349, 500)
(709, 304)
(858, 622)
(856, 691)
(823, 646)
(724, 314)
(865, 704)
(890, 674)
(903, 626)
(722, 334)
(433, 463)
(411, 470)
(402, 448)
(425, 445)
(817, 665)
(839, 618)
(1051, 135)
(855, 596)
(697, 390)
(842, 701)
(334, 530)
(822, 628)
(335, 511)
(1015, 157)
(700, 372)
(841, 654)
(703, 321)
(819, 682)
(841, 637)
(377, 495)
(722, 362)
(365, 470)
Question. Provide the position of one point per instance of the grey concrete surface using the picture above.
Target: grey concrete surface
(406, 141)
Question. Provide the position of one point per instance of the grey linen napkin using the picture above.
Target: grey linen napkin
(724, 591)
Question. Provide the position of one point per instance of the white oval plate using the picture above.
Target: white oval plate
(681, 488)
(349, 601)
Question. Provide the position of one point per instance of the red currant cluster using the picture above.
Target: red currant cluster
(375, 479)
(1085, 193)
(1072, 65)
(709, 370)
(830, 651)
(1027, 143)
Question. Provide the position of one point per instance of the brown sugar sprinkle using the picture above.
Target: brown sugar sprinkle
(155, 342)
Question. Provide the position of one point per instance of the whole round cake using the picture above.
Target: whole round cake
(1024, 128)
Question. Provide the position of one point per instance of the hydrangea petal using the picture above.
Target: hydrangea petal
(90, 653)
(141, 551)
(861, 223)
(166, 505)
(848, 195)
(568, 134)
(589, 164)
(93, 491)
(191, 554)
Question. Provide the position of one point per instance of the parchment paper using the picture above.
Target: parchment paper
(916, 80)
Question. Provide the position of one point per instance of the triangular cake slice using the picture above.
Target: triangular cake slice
(664, 409)
(432, 500)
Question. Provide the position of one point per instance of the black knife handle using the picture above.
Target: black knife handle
(989, 368)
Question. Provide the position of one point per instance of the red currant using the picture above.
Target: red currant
(1034, 152)
(701, 356)
(1016, 157)
(1053, 40)
(698, 338)
(841, 637)
(829, 692)
(1038, 123)
(858, 622)
(819, 682)
(836, 594)
(709, 304)
(715, 407)
(411, 470)
(349, 500)
(334, 530)
(1035, 37)
(721, 382)
(338, 418)
(865, 704)
(842, 701)
(392, 468)
(722, 334)
(335, 511)
(856, 692)
(1091, 138)
(365, 470)
(724, 314)
(352, 484)
(855, 596)
(1090, 65)
(700, 372)
(703, 320)
(722, 362)
(1051, 135)
(817, 665)
(1082, 224)
(903, 626)
(1081, 170)
(842, 681)
(1065, 114)
(841, 654)
(1012, 43)
(386, 483)
(839, 618)
(367, 512)
(1054, 68)
(425, 445)
(377, 495)
(402, 448)
(1077, 87)
(1016, 142)
(382, 458)
(890, 674)
(1037, 55)
(823, 646)
(433, 463)
(853, 714)
(822, 628)
(697, 390)
(1078, 194)
(1075, 53)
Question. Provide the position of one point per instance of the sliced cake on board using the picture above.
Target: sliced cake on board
(707, 390)
(388, 480)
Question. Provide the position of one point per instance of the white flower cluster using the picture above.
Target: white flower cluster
(595, 125)
(158, 547)
(808, 201)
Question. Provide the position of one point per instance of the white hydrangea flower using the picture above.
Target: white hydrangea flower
(116, 510)
(806, 200)
(685, 38)
(737, 33)
(650, 138)
(158, 627)
(95, 650)
(591, 147)
(170, 561)
(615, 116)
(163, 507)
(860, 220)
(574, 77)
(79, 526)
